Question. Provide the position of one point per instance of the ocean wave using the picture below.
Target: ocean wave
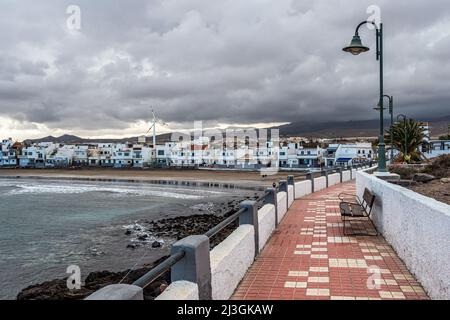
(188, 194)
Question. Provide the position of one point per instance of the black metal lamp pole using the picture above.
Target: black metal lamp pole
(404, 127)
(356, 47)
(391, 112)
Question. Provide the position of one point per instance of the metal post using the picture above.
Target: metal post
(271, 198)
(284, 188)
(250, 216)
(310, 176)
(391, 110)
(381, 145)
(195, 266)
(339, 170)
(325, 173)
(291, 182)
(404, 127)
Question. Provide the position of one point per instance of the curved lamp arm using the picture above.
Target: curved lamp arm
(363, 23)
(391, 100)
(378, 31)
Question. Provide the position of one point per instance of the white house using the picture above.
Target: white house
(163, 153)
(8, 155)
(349, 154)
(81, 155)
(122, 155)
(142, 156)
(61, 156)
(310, 157)
(35, 156)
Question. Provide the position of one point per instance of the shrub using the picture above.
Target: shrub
(439, 167)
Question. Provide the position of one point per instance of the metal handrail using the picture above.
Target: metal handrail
(225, 223)
(263, 197)
(215, 230)
(157, 271)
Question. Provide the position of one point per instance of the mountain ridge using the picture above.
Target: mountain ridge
(330, 129)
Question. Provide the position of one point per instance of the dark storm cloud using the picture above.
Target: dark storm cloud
(222, 61)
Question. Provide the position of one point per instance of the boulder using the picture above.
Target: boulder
(403, 183)
(445, 180)
(156, 244)
(143, 237)
(423, 177)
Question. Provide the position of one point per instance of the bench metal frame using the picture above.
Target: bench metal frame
(364, 208)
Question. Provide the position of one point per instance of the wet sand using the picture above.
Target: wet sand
(238, 178)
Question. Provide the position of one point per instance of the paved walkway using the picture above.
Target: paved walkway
(308, 257)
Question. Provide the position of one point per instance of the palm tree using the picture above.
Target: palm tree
(408, 136)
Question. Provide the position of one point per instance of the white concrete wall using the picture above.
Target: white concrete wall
(417, 227)
(266, 220)
(346, 175)
(230, 261)
(320, 183)
(302, 189)
(180, 290)
(334, 179)
(282, 205)
(290, 195)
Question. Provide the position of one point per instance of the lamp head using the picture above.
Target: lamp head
(378, 108)
(356, 47)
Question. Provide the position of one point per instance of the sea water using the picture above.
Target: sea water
(47, 225)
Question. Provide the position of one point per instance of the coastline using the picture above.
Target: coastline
(249, 180)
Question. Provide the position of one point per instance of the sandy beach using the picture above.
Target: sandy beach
(238, 178)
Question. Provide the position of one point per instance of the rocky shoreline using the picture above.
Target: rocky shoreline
(143, 233)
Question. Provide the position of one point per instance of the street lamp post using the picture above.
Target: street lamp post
(391, 112)
(356, 47)
(404, 127)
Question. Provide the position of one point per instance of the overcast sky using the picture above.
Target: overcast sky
(227, 62)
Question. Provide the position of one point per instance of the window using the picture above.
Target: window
(160, 152)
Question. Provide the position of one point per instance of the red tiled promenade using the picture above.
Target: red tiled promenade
(308, 257)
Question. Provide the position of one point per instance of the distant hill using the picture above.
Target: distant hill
(71, 139)
(364, 128)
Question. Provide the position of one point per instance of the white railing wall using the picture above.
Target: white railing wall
(282, 205)
(417, 227)
(302, 188)
(320, 183)
(230, 261)
(267, 223)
